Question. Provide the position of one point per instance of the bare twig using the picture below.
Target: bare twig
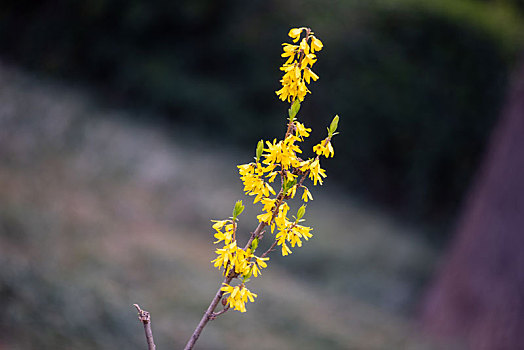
(216, 314)
(270, 249)
(145, 318)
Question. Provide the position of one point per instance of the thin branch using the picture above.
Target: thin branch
(208, 315)
(270, 249)
(216, 314)
(145, 318)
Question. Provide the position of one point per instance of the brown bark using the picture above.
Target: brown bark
(478, 295)
(145, 318)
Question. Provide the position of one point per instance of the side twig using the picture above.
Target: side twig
(145, 318)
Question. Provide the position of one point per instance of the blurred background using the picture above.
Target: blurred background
(121, 125)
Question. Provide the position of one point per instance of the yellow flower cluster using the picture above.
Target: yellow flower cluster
(234, 259)
(275, 159)
(325, 148)
(282, 158)
(231, 257)
(238, 296)
(297, 68)
(290, 232)
(252, 178)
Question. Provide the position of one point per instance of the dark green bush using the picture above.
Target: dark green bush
(418, 87)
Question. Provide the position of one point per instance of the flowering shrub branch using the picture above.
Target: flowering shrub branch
(272, 159)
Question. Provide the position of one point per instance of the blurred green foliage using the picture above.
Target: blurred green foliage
(418, 84)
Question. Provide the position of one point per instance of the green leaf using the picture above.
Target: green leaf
(301, 212)
(254, 244)
(333, 127)
(239, 208)
(293, 111)
(260, 149)
(288, 184)
(245, 278)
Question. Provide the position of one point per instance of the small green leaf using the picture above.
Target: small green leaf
(254, 244)
(301, 212)
(333, 127)
(288, 185)
(239, 208)
(245, 278)
(293, 111)
(260, 149)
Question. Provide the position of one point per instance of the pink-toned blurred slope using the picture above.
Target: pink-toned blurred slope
(479, 293)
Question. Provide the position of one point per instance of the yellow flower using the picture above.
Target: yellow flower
(284, 93)
(238, 296)
(289, 52)
(254, 185)
(304, 47)
(302, 90)
(302, 131)
(324, 148)
(223, 236)
(309, 74)
(273, 152)
(240, 261)
(231, 257)
(291, 232)
(290, 176)
(303, 231)
(296, 233)
(260, 263)
(285, 249)
(281, 236)
(292, 191)
(269, 204)
(306, 195)
(265, 217)
(294, 239)
(309, 59)
(295, 33)
(330, 150)
(283, 152)
(316, 44)
(304, 165)
(225, 256)
(316, 172)
(272, 176)
(289, 152)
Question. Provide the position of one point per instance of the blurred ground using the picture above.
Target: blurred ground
(97, 213)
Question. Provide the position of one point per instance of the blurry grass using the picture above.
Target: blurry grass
(97, 214)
